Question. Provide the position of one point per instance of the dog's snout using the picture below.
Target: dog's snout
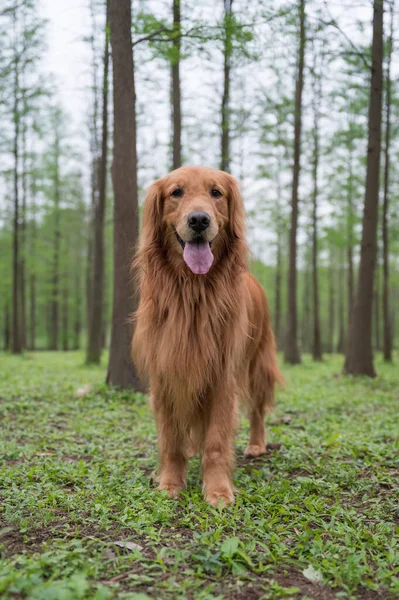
(199, 221)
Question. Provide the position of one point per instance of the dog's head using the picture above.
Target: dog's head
(196, 213)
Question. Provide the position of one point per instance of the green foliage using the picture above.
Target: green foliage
(75, 475)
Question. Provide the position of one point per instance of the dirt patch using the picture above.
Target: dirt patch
(13, 541)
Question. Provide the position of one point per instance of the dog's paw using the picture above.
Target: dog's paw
(255, 450)
(172, 489)
(221, 497)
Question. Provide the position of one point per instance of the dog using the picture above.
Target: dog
(203, 337)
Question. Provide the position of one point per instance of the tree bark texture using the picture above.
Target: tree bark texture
(96, 313)
(359, 354)
(176, 92)
(225, 134)
(292, 354)
(121, 371)
(387, 343)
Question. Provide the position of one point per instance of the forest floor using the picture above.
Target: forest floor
(80, 516)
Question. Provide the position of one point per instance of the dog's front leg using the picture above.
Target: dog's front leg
(218, 456)
(172, 455)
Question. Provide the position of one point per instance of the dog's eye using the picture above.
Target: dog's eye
(215, 193)
(177, 193)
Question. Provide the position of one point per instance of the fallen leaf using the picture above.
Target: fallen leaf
(83, 390)
(312, 574)
(128, 545)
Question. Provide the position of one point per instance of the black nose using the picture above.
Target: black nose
(198, 221)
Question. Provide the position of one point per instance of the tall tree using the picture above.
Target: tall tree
(350, 225)
(227, 53)
(16, 334)
(32, 254)
(292, 354)
(387, 349)
(96, 313)
(175, 91)
(55, 279)
(121, 371)
(316, 91)
(359, 354)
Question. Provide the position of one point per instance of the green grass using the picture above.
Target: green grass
(75, 477)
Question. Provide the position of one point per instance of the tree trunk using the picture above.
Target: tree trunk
(7, 330)
(77, 325)
(306, 317)
(22, 260)
(350, 241)
(56, 251)
(175, 92)
(65, 314)
(341, 304)
(316, 342)
(277, 299)
(292, 354)
(385, 208)
(227, 52)
(331, 305)
(95, 331)
(16, 337)
(32, 278)
(359, 355)
(121, 371)
(376, 303)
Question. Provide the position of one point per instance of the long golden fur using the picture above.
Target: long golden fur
(204, 341)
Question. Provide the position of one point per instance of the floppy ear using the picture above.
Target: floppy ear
(152, 215)
(236, 210)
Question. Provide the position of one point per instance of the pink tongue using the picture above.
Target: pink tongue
(198, 257)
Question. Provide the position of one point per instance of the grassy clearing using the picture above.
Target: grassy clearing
(316, 519)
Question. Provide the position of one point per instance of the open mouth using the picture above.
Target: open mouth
(181, 242)
(197, 254)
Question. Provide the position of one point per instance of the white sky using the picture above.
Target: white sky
(68, 58)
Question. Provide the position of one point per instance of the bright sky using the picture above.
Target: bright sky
(69, 56)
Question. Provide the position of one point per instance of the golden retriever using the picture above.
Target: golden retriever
(203, 336)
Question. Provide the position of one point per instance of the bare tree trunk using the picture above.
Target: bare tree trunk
(95, 168)
(350, 242)
(341, 303)
(16, 337)
(316, 344)
(385, 207)
(65, 311)
(77, 324)
(22, 261)
(121, 371)
(56, 251)
(359, 355)
(175, 92)
(277, 299)
(376, 303)
(32, 278)
(292, 354)
(331, 305)
(7, 329)
(95, 331)
(225, 138)
(306, 317)
(393, 317)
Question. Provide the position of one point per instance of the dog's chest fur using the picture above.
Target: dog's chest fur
(199, 330)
